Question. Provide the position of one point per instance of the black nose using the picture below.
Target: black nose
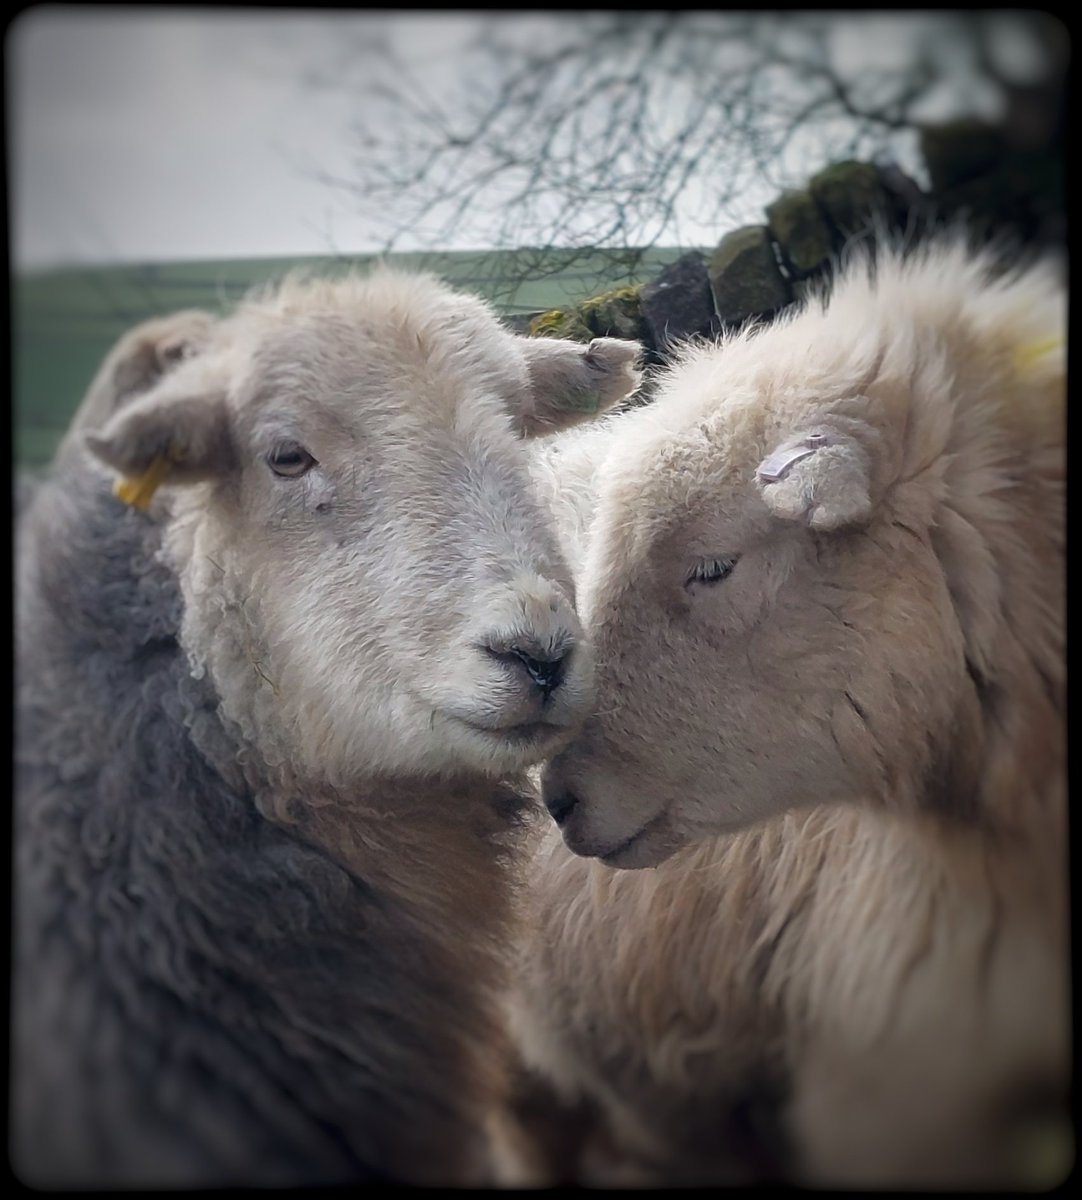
(560, 805)
(546, 671)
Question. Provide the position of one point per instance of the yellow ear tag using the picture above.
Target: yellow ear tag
(137, 490)
(1028, 355)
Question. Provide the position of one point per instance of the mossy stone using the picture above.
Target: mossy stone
(561, 323)
(850, 194)
(616, 313)
(678, 303)
(801, 230)
(745, 277)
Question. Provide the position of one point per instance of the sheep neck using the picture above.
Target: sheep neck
(432, 843)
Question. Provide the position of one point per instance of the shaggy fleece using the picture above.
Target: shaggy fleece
(202, 996)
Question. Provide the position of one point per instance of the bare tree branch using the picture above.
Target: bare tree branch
(629, 130)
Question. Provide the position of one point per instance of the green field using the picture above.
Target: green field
(63, 322)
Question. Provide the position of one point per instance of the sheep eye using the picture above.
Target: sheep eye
(711, 570)
(290, 460)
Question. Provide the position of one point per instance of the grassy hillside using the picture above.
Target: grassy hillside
(64, 321)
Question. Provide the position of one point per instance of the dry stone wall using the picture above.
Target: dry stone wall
(757, 270)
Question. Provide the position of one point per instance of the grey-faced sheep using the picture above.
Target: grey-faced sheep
(270, 741)
(823, 578)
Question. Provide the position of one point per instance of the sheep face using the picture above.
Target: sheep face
(367, 577)
(789, 583)
(742, 665)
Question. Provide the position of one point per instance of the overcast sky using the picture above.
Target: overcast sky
(155, 133)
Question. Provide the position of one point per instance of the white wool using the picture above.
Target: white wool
(844, 761)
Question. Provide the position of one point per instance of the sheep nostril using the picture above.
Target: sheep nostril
(561, 805)
(545, 670)
(547, 673)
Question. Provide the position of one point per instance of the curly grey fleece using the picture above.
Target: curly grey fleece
(202, 997)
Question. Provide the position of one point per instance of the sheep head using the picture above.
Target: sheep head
(368, 578)
(825, 564)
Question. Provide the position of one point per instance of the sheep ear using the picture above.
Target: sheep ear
(170, 434)
(138, 362)
(818, 477)
(152, 349)
(571, 383)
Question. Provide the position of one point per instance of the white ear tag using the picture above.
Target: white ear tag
(775, 466)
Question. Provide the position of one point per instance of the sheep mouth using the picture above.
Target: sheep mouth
(523, 733)
(628, 854)
(528, 731)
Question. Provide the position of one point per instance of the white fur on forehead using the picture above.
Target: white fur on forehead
(384, 291)
(909, 328)
(408, 318)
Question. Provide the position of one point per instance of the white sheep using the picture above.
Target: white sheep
(823, 578)
(270, 738)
